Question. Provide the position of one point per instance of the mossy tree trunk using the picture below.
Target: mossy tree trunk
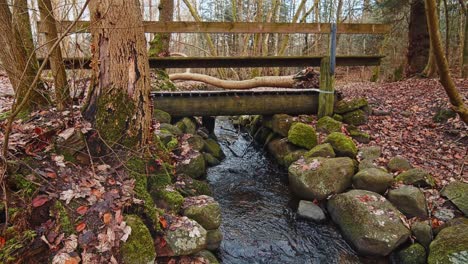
(118, 102)
(445, 79)
(62, 91)
(418, 39)
(159, 46)
(19, 63)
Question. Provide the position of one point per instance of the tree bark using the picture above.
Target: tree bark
(62, 90)
(19, 65)
(418, 39)
(465, 48)
(159, 46)
(23, 24)
(446, 80)
(118, 103)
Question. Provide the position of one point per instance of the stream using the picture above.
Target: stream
(258, 210)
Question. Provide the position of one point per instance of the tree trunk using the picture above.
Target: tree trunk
(418, 39)
(118, 103)
(465, 49)
(23, 24)
(445, 79)
(18, 63)
(159, 46)
(431, 67)
(62, 90)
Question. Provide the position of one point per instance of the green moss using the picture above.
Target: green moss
(171, 129)
(9, 251)
(172, 144)
(342, 145)
(322, 150)
(338, 117)
(139, 247)
(159, 181)
(168, 199)
(328, 125)
(450, 245)
(161, 116)
(359, 136)
(302, 135)
(345, 106)
(22, 184)
(356, 117)
(290, 158)
(191, 187)
(414, 254)
(195, 167)
(212, 147)
(4, 115)
(62, 217)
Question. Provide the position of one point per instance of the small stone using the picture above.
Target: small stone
(444, 214)
(457, 193)
(359, 136)
(406, 113)
(213, 239)
(310, 211)
(322, 150)
(327, 124)
(302, 135)
(161, 116)
(423, 233)
(345, 106)
(372, 180)
(356, 118)
(342, 145)
(414, 254)
(378, 112)
(416, 177)
(410, 201)
(399, 164)
(203, 209)
(370, 153)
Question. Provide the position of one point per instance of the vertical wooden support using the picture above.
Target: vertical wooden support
(327, 78)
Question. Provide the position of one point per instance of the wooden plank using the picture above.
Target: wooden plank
(327, 85)
(238, 62)
(228, 103)
(239, 27)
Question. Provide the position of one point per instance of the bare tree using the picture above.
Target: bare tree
(418, 39)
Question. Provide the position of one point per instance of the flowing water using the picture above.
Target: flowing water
(258, 210)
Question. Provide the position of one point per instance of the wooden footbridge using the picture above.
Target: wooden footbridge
(215, 103)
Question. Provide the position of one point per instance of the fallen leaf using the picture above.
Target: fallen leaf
(106, 218)
(40, 200)
(80, 227)
(163, 222)
(82, 210)
(2, 242)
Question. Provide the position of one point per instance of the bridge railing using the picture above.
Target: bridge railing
(327, 63)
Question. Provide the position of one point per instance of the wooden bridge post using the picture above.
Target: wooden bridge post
(327, 78)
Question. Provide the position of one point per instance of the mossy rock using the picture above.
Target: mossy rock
(171, 129)
(358, 135)
(346, 106)
(165, 137)
(450, 246)
(187, 126)
(338, 117)
(457, 193)
(327, 124)
(318, 178)
(322, 150)
(194, 166)
(211, 160)
(162, 80)
(290, 158)
(196, 142)
(279, 123)
(167, 198)
(414, 254)
(159, 181)
(212, 146)
(207, 256)
(356, 118)
(213, 239)
(139, 247)
(416, 177)
(369, 164)
(280, 148)
(443, 115)
(262, 134)
(342, 145)
(398, 164)
(161, 116)
(183, 237)
(190, 187)
(422, 231)
(370, 153)
(410, 201)
(372, 179)
(368, 221)
(302, 135)
(203, 209)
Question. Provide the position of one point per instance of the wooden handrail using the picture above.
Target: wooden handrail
(239, 27)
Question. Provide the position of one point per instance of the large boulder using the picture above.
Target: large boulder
(398, 164)
(457, 192)
(279, 123)
(368, 221)
(416, 177)
(280, 148)
(203, 209)
(302, 135)
(342, 145)
(194, 165)
(310, 211)
(139, 247)
(183, 237)
(322, 150)
(345, 106)
(355, 118)
(409, 200)
(317, 178)
(372, 179)
(450, 246)
(327, 124)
